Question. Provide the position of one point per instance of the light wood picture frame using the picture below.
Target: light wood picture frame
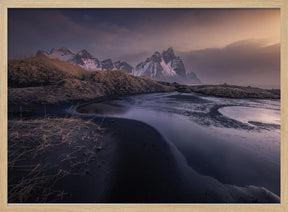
(5, 4)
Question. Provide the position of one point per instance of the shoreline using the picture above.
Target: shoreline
(142, 168)
(112, 173)
(183, 187)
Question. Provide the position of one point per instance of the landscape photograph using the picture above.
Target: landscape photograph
(142, 105)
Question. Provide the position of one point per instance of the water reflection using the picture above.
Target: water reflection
(246, 114)
(229, 154)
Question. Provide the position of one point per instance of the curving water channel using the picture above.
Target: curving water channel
(235, 142)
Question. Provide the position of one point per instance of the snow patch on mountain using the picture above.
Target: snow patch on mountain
(167, 67)
(63, 53)
(86, 60)
(120, 65)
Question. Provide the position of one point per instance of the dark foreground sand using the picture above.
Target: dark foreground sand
(58, 160)
(75, 159)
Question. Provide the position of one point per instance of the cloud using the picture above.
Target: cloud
(205, 38)
(46, 29)
(247, 62)
(129, 31)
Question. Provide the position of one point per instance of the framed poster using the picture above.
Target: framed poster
(143, 105)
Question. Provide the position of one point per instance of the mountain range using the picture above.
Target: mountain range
(165, 67)
(86, 60)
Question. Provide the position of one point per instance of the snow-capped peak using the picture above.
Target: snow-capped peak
(63, 53)
(85, 54)
(66, 50)
(168, 55)
(86, 60)
(161, 66)
(121, 65)
(156, 57)
(166, 66)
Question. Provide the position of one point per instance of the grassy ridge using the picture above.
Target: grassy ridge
(229, 91)
(49, 81)
(232, 91)
(40, 70)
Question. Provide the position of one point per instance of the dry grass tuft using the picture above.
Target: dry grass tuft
(41, 70)
(43, 151)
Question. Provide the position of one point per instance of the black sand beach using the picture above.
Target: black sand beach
(100, 160)
(65, 154)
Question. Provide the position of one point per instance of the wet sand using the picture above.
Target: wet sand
(133, 164)
(122, 161)
(150, 172)
(147, 171)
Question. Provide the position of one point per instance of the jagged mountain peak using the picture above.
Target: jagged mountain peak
(121, 65)
(168, 55)
(66, 50)
(168, 51)
(85, 54)
(41, 53)
(107, 60)
(63, 50)
(62, 54)
(52, 51)
(166, 66)
(156, 57)
(107, 64)
(157, 54)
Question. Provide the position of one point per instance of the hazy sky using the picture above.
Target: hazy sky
(219, 45)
